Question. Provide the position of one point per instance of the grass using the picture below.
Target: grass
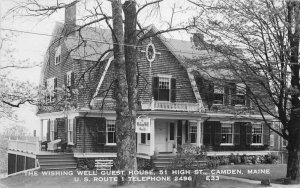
(276, 171)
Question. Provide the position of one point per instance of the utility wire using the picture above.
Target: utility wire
(112, 43)
(92, 40)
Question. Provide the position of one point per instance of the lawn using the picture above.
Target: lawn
(69, 181)
(277, 171)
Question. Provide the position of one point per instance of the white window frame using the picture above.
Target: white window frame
(240, 91)
(50, 90)
(219, 90)
(225, 124)
(70, 132)
(69, 78)
(193, 129)
(111, 123)
(57, 59)
(256, 126)
(284, 142)
(147, 139)
(52, 130)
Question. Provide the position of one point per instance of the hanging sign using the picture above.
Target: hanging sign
(142, 125)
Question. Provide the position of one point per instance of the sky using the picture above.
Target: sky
(32, 47)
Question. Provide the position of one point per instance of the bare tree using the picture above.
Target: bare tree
(258, 41)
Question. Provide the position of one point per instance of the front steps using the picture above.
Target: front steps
(59, 161)
(163, 161)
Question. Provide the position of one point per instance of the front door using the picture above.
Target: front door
(161, 137)
(171, 137)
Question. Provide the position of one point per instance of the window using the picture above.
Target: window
(110, 132)
(69, 79)
(51, 84)
(70, 131)
(257, 134)
(193, 132)
(145, 138)
(226, 133)
(240, 94)
(284, 142)
(164, 88)
(58, 55)
(218, 95)
(51, 130)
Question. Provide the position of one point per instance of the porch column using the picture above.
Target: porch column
(199, 131)
(152, 136)
(41, 130)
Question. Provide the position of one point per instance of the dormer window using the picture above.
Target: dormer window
(218, 94)
(240, 98)
(164, 88)
(58, 55)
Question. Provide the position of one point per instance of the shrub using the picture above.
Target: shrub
(84, 164)
(187, 158)
(145, 164)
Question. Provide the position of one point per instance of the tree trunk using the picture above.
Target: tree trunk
(125, 135)
(293, 146)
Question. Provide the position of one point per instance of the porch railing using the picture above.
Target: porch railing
(166, 105)
(24, 146)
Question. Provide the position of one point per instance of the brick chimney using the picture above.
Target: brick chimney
(70, 18)
(198, 40)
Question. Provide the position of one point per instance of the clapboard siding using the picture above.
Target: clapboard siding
(86, 137)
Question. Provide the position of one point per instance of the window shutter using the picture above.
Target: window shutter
(186, 128)
(45, 84)
(247, 97)
(65, 80)
(226, 95)
(236, 135)
(266, 134)
(55, 88)
(66, 129)
(233, 92)
(74, 130)
(173, 90)
(206, 134)
(101, 128)
(218, 136)
(155, 88)
(72, 79)
(55, 130)
(248, 134)
(48, 130)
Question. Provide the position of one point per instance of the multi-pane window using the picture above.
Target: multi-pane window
(226, 133)
(110, 132)
(164, 88)
(284, 142)
(58, 55)
(145, 138)
(193, 132)
(218, 94)
(70, 131)
(69, 78)
(164, 83)
(257, 134)
(51, 130)
(50, 90)
(240, 94)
